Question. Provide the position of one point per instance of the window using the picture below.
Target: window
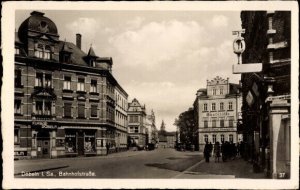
(39, 79)
(136, 129)
(214, 122)
(205, 107)
(205, 138)
(222, 138)
(43, 108)
(205, 123)
(221, 106)
(80, 84)
(17, 106)
(221, 122)
(230, 138)
(214, 91)
(93, 86)
(131, 130)
(48, 80)
(18, 78)
(17, 51)
(94, 109)
(81, 110)
(67, 83)
(230, 121)
(214, 138)
(213, 106)
(67, 109)
(16, 136)
(221, 91)
(230, 106)
(42, 51)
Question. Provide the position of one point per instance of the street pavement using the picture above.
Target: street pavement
(156, 164)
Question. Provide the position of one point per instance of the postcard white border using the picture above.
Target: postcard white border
(8, 22)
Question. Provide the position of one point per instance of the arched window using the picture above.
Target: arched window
(222, 138)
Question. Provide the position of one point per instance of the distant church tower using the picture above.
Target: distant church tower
(163, 126)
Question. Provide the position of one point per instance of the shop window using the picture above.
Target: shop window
(214, 138)
(81, 111)
(204, 107)
(18, 107)
(43, 108)
(230, 106)
(205, 138)
(18, 78)
(93, 86)
(89, 143)
(94, 110)
(67, 109)
(213, 106)
(67, 83)
(39, 79)
(16, 136)
(70, 142)
(80, 84)
(205, 123)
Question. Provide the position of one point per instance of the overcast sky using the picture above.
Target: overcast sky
(159, 57)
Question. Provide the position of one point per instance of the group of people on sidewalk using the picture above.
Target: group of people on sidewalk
(227, 150)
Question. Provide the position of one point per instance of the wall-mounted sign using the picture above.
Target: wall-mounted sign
(218, 114)
(250, 99)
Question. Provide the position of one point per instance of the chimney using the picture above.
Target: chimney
(78, 40)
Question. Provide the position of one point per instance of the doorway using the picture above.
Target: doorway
(43, 144)
(80, 143)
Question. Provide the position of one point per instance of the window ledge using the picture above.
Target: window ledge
(67, 90)
(94, 93)
(81, 92)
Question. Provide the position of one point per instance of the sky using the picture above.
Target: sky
(161, 58)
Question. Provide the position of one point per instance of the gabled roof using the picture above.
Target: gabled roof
(77, 56)
(91, 52)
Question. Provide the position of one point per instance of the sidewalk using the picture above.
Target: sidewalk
(238, 168)
(38, 165)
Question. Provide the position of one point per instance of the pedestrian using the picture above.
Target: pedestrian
(107, 148)
(206, 152)
(217, 150)
(210, 148)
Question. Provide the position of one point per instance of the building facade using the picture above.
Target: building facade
(137, 130)
(64, 97)
(152, 130)
(217, 110)
(121, 122)
(166, 139)
(266, 95)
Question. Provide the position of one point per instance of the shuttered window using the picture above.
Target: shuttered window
(67, 109)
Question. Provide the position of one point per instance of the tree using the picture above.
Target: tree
(188, 131)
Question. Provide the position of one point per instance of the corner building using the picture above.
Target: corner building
(64, 97)
(217, 110)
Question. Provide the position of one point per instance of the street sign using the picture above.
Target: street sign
(247, 68)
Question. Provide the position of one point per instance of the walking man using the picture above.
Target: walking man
(206, 152)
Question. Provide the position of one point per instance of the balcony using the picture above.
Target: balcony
(43, 117)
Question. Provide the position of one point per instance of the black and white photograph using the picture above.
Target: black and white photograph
(150, 95)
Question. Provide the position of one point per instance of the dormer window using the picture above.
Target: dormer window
(92, 63)
(43, 52)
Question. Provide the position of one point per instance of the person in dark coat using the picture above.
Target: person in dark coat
(217, 152)
(107, 148)
(206, 152)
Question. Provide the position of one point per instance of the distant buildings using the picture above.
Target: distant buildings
(137, 130)
(166, 139)
(217, 109)
(152, 130)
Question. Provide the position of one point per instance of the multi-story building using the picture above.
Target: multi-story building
(152, 130)
(137, 124)
(166, 139)
(64, 97)
(121, 123)
(217, 110)
(266, 95)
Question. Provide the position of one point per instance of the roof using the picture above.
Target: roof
(77, 56)
(91, 52)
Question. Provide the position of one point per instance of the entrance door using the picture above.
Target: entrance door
(43, 143)
(80, 143)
